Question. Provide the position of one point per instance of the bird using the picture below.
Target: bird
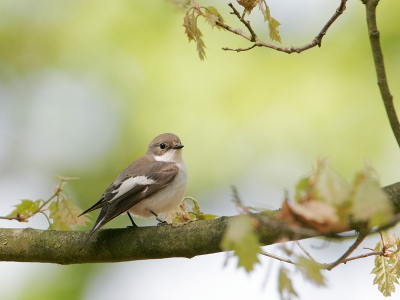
(153, 184)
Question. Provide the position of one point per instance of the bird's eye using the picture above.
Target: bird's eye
(162, 146)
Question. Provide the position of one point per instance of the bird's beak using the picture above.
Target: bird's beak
(179, 146)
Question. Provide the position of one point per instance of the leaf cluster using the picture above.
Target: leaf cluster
(59, 210)
(327, 203)
(185, 213)
(215, 19)
(273, 24)
(211, 15)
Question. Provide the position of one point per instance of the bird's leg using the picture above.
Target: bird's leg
(162, 222)
(133, 223)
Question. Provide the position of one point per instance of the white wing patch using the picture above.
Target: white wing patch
(129, 184)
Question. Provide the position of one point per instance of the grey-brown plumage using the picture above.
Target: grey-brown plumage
(154, 183)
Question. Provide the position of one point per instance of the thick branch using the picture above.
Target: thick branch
(117, 245)
(374, 38)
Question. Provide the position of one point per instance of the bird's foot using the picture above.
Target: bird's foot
(162, 223)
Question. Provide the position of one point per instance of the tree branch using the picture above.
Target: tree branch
(317, 41)
(374, 38)
(128, 244)
(351, 249)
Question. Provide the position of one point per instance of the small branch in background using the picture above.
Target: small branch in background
(374, 38)
(246, 23)
(239, 49)
(16, 218)
(304, 250)
(286, 260)
(373, 253)
(353, 247)
(317, 41)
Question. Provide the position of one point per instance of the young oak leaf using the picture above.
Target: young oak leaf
(383, 277)
(211, 20)
(69, 213)
(314, 214)
(248, 5)
(25, 208)
(285, 285)
(273, 24)
(274, 34)
(370, 202)
(196, 211)
(65, 214)
(311, 270)
(200, 44)
(193, 33)
(189, 22)
(213, 16)
(241, 237)
(302, 190)
(331, 187)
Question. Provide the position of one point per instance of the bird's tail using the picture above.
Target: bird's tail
(99, 223)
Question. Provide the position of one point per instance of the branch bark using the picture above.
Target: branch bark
(128, 244)
(374, 38)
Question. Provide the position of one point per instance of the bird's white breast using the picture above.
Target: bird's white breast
(166, 199)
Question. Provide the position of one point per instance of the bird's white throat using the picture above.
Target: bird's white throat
(172, 155)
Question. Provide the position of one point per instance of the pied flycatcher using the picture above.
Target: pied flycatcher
(153, 184)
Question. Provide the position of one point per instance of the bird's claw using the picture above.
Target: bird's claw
(162, 223)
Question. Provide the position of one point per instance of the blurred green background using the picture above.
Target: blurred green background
(85, 85)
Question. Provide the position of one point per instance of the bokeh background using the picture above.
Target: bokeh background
(85, 85)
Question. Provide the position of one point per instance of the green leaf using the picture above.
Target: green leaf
(302, 188)
(190, 24)
(395, 264)
(383, 277)
(264, 10)
(273, 25)
(311, 270)
(69, 213)
(196, 213)
(370, 203)
(25, 208)
(211, 19)
(241, 237)
(285, 285)
(213, 16)
(330, 186)
(202, 216)
(57, 222)
(65, 214)
(200, 44)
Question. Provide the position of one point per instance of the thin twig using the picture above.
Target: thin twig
(353, 247)
(17, 218)
(373, 253)
(317, 41)
(289, 261)
(239, 49)
(246, 23)
(374, 39)
(305, 251)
